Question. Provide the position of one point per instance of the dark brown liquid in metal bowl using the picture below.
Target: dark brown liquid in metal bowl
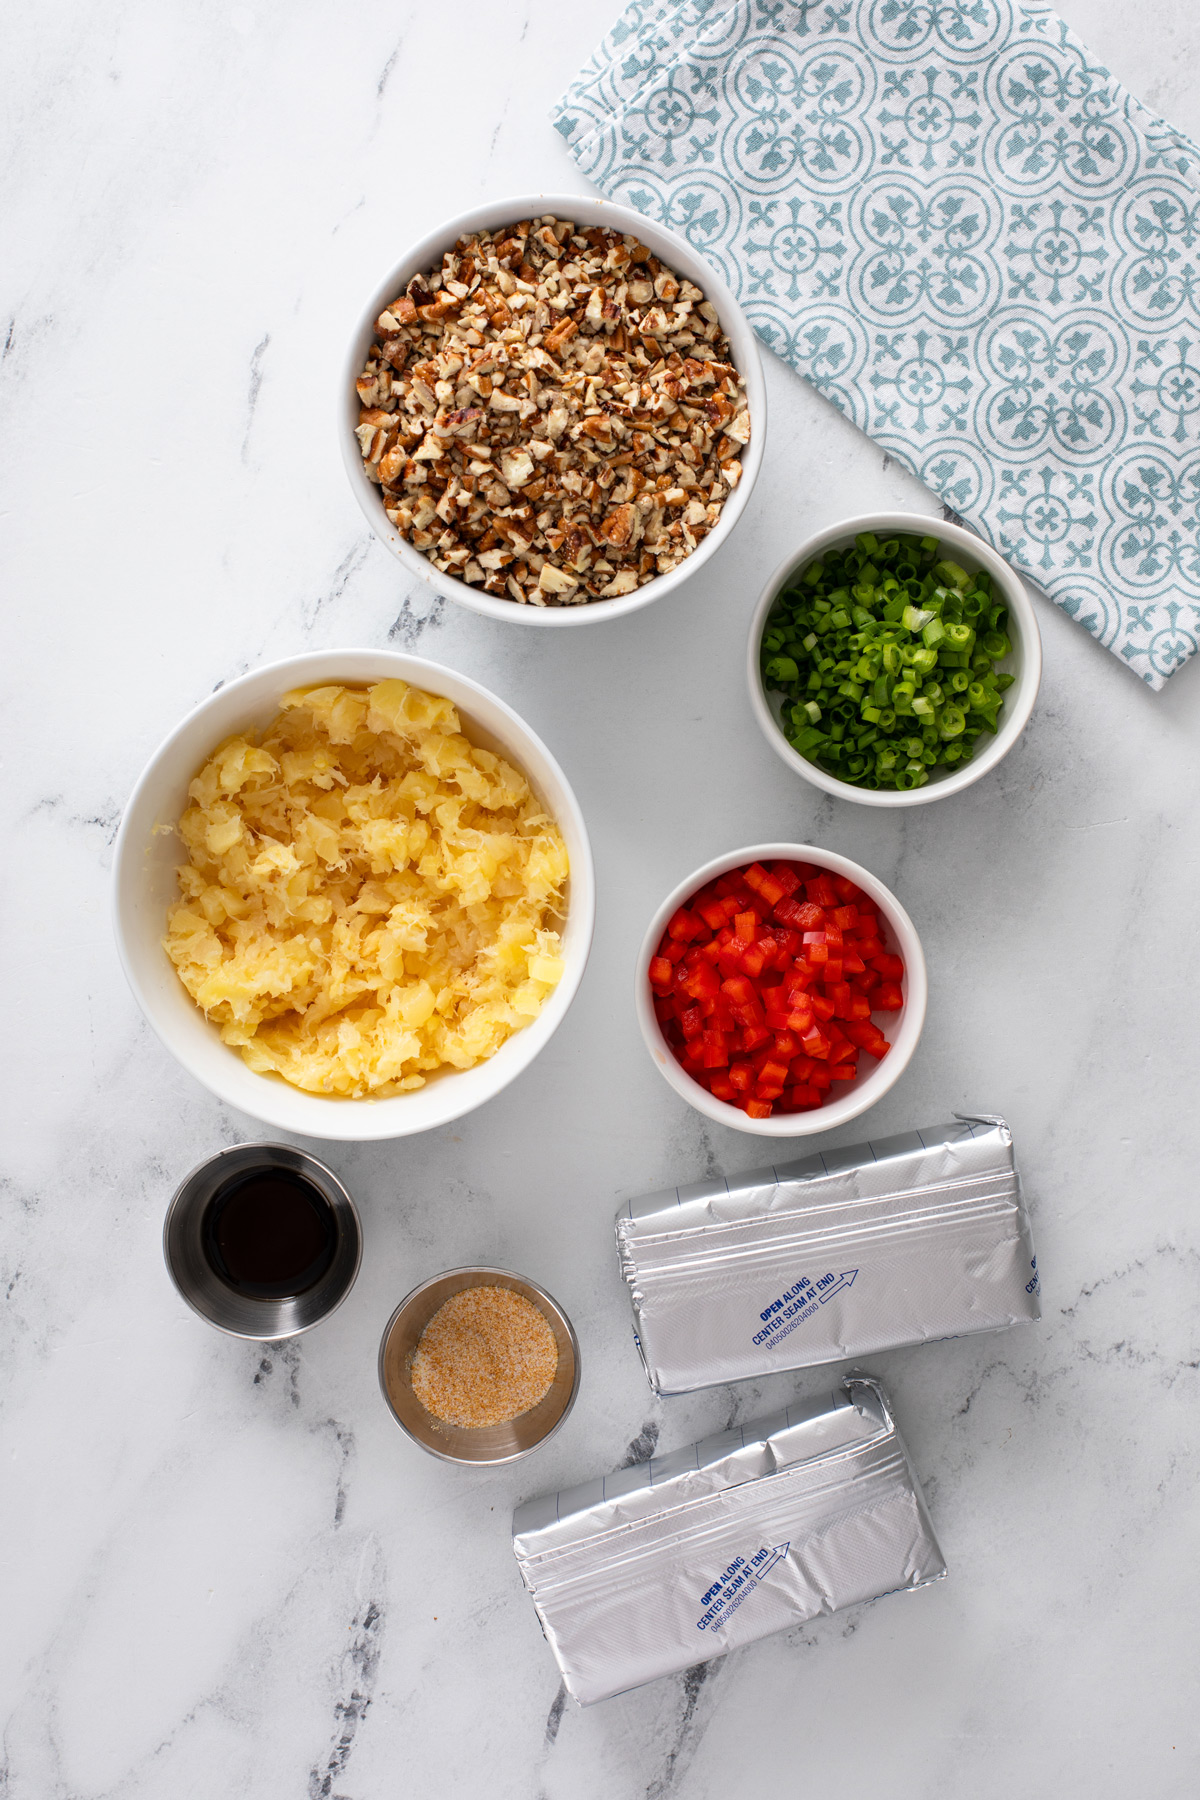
(269, 1235)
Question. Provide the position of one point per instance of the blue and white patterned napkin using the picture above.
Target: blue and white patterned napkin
(969, 237)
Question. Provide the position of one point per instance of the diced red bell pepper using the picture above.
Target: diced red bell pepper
(768, 887)
(745, 927)
(702, 983)
(804, 1099)
(761, 954)
(683, 925)
(821, 892)
(765, 992)
(786, 876)
(890, 967)
(839, 993)
(808, 1071)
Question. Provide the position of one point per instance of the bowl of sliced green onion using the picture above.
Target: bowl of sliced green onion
(893, 659)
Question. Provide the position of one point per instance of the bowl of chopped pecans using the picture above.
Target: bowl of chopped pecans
(553, 410)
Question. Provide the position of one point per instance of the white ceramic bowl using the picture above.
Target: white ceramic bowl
(678, 255)
(1024, 661)
(903, 1029)
(145, 885)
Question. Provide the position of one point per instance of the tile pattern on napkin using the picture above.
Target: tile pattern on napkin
(970, 238)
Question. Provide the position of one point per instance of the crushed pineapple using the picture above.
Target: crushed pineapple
(368, 896)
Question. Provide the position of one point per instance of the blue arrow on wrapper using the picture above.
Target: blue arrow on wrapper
(844, 1280)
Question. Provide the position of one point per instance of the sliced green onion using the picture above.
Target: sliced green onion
(885, 654)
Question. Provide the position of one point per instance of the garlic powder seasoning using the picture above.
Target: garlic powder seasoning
(486, 1356)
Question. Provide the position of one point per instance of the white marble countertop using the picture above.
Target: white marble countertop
(225, 1571)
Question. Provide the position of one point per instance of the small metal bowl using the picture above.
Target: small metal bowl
(200, 1286)
(483, 1443)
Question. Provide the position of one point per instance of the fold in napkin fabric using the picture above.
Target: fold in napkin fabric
(968, 236)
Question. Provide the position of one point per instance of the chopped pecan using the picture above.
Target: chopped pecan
(552, 414)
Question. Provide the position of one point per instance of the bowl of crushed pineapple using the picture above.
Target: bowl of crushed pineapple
(353, 894)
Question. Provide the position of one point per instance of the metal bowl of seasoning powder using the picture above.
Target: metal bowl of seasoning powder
(479, 1365)
(262, 1240)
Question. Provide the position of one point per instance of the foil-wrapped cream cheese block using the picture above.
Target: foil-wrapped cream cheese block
(842, 1254)
(671, 1562)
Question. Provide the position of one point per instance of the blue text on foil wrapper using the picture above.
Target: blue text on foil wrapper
(737, 1584)
(801, 1302)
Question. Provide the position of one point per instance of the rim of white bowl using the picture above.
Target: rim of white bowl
(864, 1092)
(679, 255)
(275, 1102)
(1024, 661)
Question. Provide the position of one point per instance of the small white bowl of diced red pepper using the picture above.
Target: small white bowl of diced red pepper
(781, 989)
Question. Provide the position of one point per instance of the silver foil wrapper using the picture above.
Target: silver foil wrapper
(674, 1561)
(843, 1254)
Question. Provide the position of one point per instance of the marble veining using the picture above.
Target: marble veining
(225, 1571)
